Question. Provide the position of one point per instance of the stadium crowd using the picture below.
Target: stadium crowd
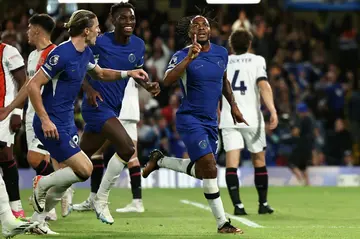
(308, 63)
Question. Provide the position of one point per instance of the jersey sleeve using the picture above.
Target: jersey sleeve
(140, 63)
(55, 63)
(176, 59)
(91, 65)
(13, 58)
(226, 60)
(261, 69)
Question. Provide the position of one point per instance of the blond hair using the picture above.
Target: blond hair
(80, 20)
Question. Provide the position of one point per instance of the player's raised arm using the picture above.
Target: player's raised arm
(180, 61)
(112, 75)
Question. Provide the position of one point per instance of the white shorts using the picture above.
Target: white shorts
(6, 135)
(255, 139)
(33, 142)
(131, 128)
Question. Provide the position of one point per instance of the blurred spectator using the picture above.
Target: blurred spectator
(9, 37)
(303, 141)
(241, 22)
(159, 60)
(169, 112)
(339, 145)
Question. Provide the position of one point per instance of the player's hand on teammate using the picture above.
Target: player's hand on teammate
(4, 112)
(92, 96)
(153, 88)
(139, 74)
(195, 48)
(273, 120)
(49, 129)
(237, 116)
(15, 123)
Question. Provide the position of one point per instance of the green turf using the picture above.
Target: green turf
(300, 213)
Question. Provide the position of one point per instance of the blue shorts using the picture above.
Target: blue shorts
(199, 137)
(95, 117)
(62, 149)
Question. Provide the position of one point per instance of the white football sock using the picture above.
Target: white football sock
(210, 188)
(16, 205)
(5, 210)
(53, 196)
(176, 164)
(64, 177)
(91, 196)
(112, 173)
(38, 217)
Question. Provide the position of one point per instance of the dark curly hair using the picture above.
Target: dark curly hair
(183, 25)
(116, 7)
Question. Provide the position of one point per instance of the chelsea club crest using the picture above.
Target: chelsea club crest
(132, 58)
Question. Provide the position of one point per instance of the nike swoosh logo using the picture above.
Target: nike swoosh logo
(37, 204)
(42, 231)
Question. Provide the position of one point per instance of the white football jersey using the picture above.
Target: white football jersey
(130, 109)
(35, 60)
(10, 59)
(243, 72)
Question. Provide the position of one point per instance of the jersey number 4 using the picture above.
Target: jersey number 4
(242, 88)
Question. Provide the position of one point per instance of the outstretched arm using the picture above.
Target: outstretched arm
(104, 74)
(152, 87)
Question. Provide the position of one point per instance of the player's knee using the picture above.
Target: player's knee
(33, 160)
(258, 159)
(5, 154)
(232, 159)
(84, 170)
(134, 162)
(88, 170)
(127, 151)
(208, 168)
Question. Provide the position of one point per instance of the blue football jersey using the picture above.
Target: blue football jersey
(66, 68)
(110, 54)
(202, 81)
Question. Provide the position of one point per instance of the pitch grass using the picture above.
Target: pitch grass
(300, 213)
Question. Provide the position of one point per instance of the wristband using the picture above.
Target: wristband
(124, 74)
(18, 111)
